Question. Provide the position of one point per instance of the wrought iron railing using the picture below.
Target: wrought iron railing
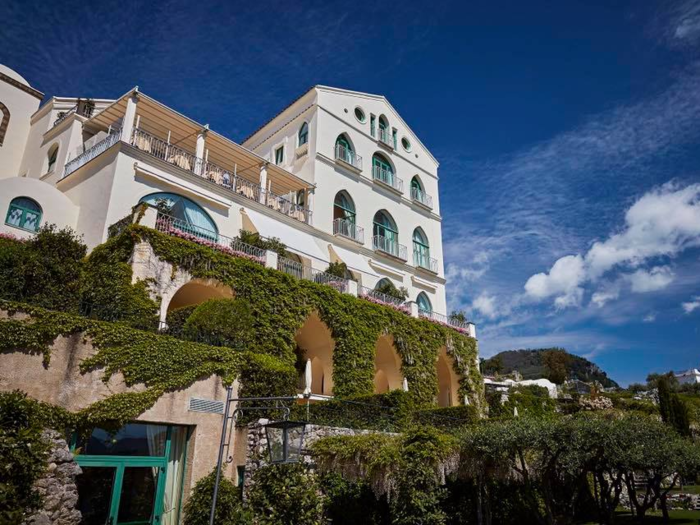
(386, 137)
(299, 271)
(349, 229)
(444, 320)
(421, 197)
(390, 247)
(383, 299)
(185, 230)
(183, 159)
(387, 177)
(82, 109)
(91, 153)
(348, 156)
(423, 260)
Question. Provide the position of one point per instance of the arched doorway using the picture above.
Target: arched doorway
(448, 383)
(387, 366)
(314, 339)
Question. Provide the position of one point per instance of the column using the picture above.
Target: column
(199, 150)
(129, 116)
(263, 182)
(309, 204)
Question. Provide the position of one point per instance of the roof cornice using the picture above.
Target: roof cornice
(23, 87)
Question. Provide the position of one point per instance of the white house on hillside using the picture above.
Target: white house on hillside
(337, 176)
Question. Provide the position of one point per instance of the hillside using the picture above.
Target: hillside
(530, 364)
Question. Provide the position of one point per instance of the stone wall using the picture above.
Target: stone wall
(257, 453)
(57, 487)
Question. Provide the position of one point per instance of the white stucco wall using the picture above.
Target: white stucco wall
(21, 105)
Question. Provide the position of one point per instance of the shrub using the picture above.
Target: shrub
(22, 455)
(221, 322)
(177, 318)
(229, 506)
(286, 495)
(254, 239)
(388, 288)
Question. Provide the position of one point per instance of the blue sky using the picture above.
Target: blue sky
(568, 135)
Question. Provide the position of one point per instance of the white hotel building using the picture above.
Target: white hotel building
(336, 176)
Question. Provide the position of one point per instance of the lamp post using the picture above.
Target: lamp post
(285, 438)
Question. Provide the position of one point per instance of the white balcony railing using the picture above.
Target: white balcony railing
(299, 271)
(390, 247)
(386, 137)
(91, 153)
(185, 160)
(382, 298)
(349, 229)
(348, 156)
(387, 177)
(419, 196)
(423, 260)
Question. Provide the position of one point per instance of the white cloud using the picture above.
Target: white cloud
(662, 223)
(649, 318)
(692, 305)
(657, 278)
(486, 304)
(562, 281)
(600, 298)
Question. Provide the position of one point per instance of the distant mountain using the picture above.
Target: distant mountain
(530, 364)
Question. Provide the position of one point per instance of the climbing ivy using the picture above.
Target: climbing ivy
(160, 363)
(281, 304)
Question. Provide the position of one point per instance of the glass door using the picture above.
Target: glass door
(96, 489)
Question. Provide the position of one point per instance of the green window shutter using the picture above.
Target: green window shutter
(279, 155)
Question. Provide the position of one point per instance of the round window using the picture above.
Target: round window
(360, 115)
(406, 144)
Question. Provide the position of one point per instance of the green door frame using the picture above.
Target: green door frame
(121, 463)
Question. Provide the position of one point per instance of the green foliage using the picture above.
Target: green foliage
(229, 505)
(350, 503)
(254, 239)
(161, 363)
(22, 452)
(339, 269)
(287, 494)
(674, 411)
(556, 363)
(221, 322)
(44, 270)
(531, 366)
(459, 316)
(530, 400)
(177, 318)
(387, 287)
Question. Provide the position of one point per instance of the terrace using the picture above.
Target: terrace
(192, 148)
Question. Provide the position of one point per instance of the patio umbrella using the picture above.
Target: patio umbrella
(307, 378)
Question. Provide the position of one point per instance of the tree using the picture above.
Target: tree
(459, 316)
(556, 363)
(674, 411)
(388, 288)
(255, 239)
(229, 507)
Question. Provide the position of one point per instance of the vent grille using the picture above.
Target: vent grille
(208, 406)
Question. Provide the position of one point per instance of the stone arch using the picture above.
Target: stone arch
(387, 366)
(4, 121)
(195, 291)
(316, 341)
(448, 381)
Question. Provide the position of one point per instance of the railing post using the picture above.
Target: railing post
(414, 308)
(130, 116)
(271, 259)
(199, 150)
(149, 217)
(471, 330)
(352, 288)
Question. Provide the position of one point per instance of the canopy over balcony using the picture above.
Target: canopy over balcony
(183, 133)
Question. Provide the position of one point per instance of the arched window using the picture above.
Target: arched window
(182, 214)
(344, 150)
(303, 134)
(52, 156)
(416, 189)
(4, 121)
(382, 170)
(421, 249)
(386, 235)
(424, 303)
(344, 207)
(24, 213)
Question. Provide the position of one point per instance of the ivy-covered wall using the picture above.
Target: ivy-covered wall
(281, 304)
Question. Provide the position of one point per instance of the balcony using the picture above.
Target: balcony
(381, 298)
(386, 138)
(299, 271)
(228, 179)
(420, 197)
(444, 320)
(84, 108)
(89, 154)
(389, 247)
(387, 178)
(349, 229)
(424, 261)
(348, 157)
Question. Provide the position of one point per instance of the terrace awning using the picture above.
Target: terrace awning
(297, 241)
